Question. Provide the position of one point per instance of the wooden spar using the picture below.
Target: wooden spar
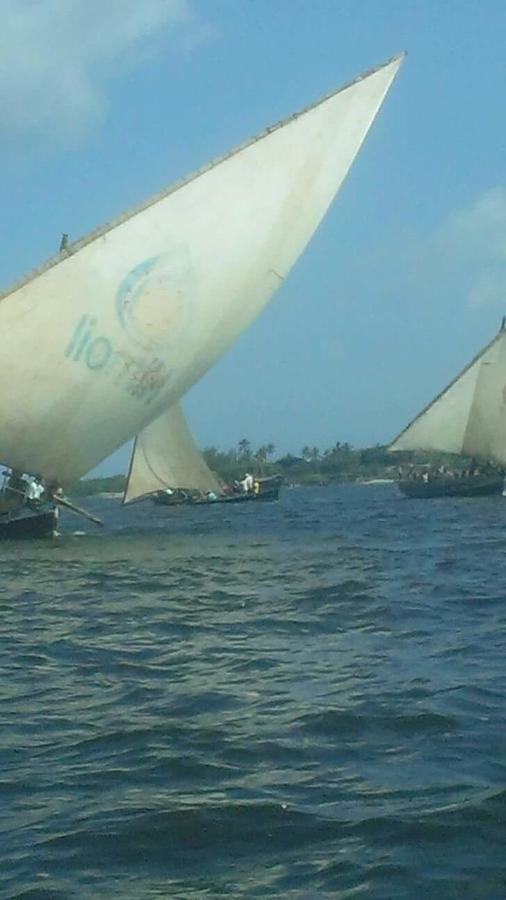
(63, 501)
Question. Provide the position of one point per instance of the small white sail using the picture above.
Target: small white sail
(96, 344)
(469, 416)
(166, 456)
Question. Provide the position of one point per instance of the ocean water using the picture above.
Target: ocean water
(299, 700)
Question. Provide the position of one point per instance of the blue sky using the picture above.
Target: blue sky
(102, 104)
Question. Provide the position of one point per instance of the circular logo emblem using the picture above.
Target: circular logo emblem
(152, 300)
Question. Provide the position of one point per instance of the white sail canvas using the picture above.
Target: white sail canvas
(166, 456)
(106, 337)
(469, 416)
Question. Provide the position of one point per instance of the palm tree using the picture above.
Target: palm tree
(244, 447)
(261, 458)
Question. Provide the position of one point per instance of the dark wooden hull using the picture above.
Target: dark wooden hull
(452, 487)
(263, 496)
(269, 491)
(27, 524)
(176, 499)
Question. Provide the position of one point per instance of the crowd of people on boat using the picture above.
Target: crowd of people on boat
(442, 472)
(248, 484)
(20, 489)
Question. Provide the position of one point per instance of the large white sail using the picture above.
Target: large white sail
(166, 456)
(469, 416)
(96, 344)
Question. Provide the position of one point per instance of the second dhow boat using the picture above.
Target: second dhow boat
(265, 491)
(165, 457)
(467, 418)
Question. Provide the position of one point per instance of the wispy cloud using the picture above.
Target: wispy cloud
(57, 56)
(475, 239)
(470, 245)
(463, 257)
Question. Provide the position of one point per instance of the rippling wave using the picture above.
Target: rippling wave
(302, 699)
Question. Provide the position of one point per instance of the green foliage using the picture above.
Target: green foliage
(314, 466)
(114, 484)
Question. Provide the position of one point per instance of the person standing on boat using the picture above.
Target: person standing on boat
(34, 490)
(247, 483)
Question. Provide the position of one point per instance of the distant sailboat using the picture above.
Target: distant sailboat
(167, 465)
(110, 333)
(166, 456)
(467, 418)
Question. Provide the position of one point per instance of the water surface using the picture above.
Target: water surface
(302, 699)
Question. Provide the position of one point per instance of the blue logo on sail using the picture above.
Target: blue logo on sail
(152, 300)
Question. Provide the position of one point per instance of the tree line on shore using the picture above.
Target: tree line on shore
(312, 465)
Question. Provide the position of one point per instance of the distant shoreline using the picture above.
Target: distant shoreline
(341, 464)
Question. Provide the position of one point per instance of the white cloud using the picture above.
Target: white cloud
(473, 240)
(489, 288)
(464, 256)
(57, 55)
